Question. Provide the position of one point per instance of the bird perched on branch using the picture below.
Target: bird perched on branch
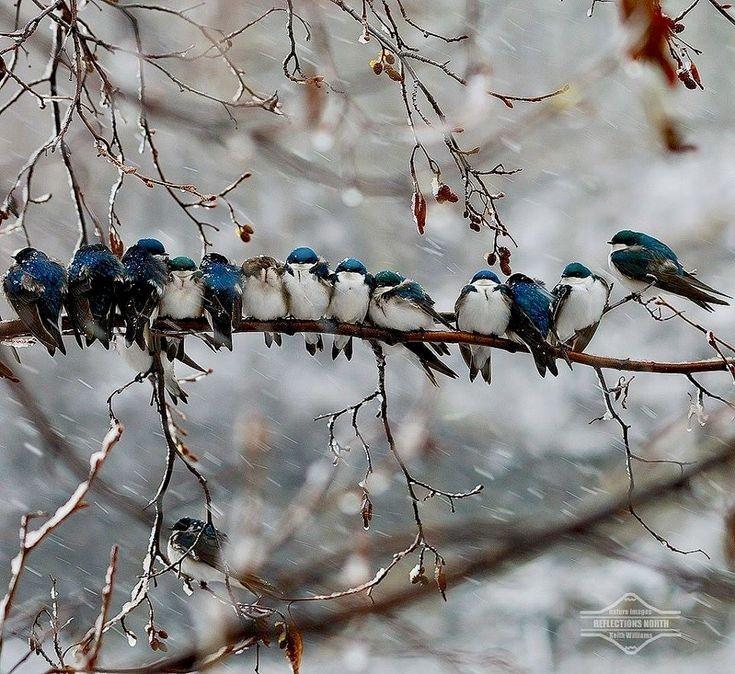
(482, 307)
(96, 281)
(36, 288)
(263, 294)
(531, 320)
(183, 298)
(641, 262)
(308, 286)
(580, 299)
(398, 303)
(222, 283)
(146, 274)
(198, 551)
(350, 300)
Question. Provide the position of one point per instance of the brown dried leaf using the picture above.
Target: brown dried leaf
(366, 510)
(292, 644)
(441, 580)
(418, 208)
(116, 245)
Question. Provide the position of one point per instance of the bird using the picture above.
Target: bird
(640, 261)
(140, 359)
(222, 283)
(398, 303)
(96, 281)
(350, 300)
(580, 299)
(263, 294)
(146, 274)
(197, 550)
(483, 307)
(36, 288)
(308, 291)
(183, 298)
(530, 320)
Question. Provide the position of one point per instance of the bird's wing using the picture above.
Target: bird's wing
(561, 293)
(583, 337)
(462, 297)
(645, 264)
(31, 318)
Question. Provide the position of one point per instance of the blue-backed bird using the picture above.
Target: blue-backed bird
(146, 273)
(580, 299)
(263, 294)
(197, 550)
(36, 288)
(530, 320)
(96, 281)
(398, 303)
(308, 286)
(482, 307)
(222, 284)
(350, 300)
(641, 262)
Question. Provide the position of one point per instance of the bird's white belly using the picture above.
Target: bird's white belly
(138, 359)
(182, 301)
(350, 301)
(484, 312)
(262, 301)
(399, 315)
(193, 569)
(308, 298)
(583, 307)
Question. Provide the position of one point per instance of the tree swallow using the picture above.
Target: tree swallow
(197, 551)
(146, 273)
(398, 303)
(183, 298)
(641, 261)
(350, 300)
(308, 291)
(530, 320)
(36, 288)
(482, 307)
(222, 284)
(141, 361)
(263, 295)
(96, 281)
(580, 299)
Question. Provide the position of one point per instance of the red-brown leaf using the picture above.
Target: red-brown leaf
(418, 207)
(292, 644)
(116, 245)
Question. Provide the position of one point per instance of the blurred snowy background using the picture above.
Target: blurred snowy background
(593, 163)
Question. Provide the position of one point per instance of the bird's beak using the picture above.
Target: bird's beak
(289, 270)
(610, 242)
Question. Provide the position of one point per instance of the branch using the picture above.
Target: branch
(12, 329)
(29, 540)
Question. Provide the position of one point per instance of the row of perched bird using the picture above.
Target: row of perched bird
(145, 283)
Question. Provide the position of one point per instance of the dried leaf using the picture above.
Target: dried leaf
(418, 575)
(377, 66)
(366, 510)
(292, 644)
(418, 207)
(441, 580)
(652, 29)
(116, 245)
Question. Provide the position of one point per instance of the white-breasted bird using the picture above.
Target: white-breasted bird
(580, 299)
(308, 291)
(398, 303)
(350, 300)
(483, 307)
(263, 294)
